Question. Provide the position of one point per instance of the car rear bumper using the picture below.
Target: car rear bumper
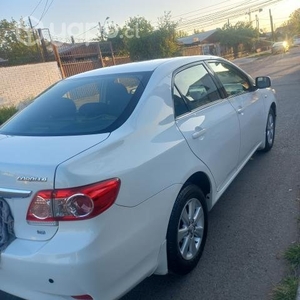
(103, 257)
(26, 272)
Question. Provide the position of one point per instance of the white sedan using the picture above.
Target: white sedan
(108, 176)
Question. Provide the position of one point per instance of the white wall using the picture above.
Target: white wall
(20, 83)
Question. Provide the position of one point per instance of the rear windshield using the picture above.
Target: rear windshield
(80, 106)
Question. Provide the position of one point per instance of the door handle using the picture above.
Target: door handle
(199, 131)
(240, 111)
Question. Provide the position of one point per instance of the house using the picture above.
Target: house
(200, 43)
(206, 37)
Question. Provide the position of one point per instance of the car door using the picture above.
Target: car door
(245, 100)
(209, 124)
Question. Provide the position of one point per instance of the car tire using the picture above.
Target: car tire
(270, 131)
(187, 230)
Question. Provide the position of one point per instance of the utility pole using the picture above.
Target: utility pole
(35, 40)
(44, 47)
(272, 27)
(101, 28)
(249, 13)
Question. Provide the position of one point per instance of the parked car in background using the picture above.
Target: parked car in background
(296, 40)
(280, 47)
(108, 176)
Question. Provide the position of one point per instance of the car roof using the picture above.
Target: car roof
(145, 66)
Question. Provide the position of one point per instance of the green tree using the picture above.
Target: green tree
(294, 22)
(167, 36)
(181, 33)
(142, 41)
(17, 43)
(150, 43)
(137, 35)
(240, 34)
(198, 31)
(116, 35)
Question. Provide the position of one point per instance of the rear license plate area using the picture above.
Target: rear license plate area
(6, 225)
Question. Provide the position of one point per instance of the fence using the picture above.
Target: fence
(80, 57)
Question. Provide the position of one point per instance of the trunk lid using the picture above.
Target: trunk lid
(28, 165)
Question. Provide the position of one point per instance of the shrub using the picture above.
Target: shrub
(6, 112)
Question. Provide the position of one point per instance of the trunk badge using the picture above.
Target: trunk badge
(32, 179)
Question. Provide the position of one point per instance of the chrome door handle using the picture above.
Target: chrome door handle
(199, 131)
(240, 111)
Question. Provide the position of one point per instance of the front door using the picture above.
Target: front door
(247, 104)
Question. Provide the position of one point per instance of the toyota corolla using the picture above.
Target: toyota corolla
(108, 176)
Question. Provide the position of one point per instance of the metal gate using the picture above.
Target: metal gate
(80, 57)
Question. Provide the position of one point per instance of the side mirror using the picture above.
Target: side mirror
(262, 82)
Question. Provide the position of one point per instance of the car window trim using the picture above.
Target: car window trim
(197, 109)
(239, 71)
(173, 86)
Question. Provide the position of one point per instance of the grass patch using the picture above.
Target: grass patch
(287, 289)
(292, 255)
(6, 112)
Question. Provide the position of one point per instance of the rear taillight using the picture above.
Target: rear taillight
(80, 203)
(83, 297)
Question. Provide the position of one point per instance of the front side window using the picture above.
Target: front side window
(195, 86)
(234, 82)
(79, 106)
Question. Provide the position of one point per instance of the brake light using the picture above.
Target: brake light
(83, 297)
(80, 203)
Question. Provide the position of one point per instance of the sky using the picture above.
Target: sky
(80, 18)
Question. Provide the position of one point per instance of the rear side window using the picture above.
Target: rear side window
(195, 87)
(80, 106)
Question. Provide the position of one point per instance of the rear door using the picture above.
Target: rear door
(209, 124)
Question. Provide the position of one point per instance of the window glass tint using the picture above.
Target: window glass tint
(196, 86)
(180, 106)
(233, 81)
(80, 106)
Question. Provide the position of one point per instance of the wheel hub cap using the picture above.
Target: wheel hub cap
(190, 229)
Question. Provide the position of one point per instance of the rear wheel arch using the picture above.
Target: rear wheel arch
(274, 107)
(201, 180)
(187, 230)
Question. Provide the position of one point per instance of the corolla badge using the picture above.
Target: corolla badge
(32, 179)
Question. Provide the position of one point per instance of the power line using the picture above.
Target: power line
(86, 31)
(231, 12)
(44, 12)
(48, 7)
(36, 7)
(204, 8)
(229, 9)
(220, 9)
